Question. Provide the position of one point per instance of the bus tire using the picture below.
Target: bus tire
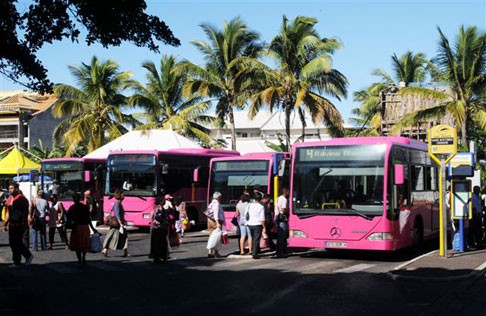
(418, 232)
(193, 215)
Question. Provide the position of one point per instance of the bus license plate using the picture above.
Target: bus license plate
(336, 244)
(130, 223)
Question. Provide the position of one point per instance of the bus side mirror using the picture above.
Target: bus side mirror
(87, 176)
(195, 176)
(399, 174)
(281, 168)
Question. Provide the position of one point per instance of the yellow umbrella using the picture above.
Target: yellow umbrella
(15, 163)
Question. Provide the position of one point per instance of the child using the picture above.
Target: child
(183, 223)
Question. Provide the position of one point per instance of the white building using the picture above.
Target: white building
(252, 134)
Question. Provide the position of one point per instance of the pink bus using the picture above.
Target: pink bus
(69, 175)
(233, 175)
(144, 175)
(371, 193)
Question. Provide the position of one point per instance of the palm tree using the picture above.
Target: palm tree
(165, 106)
(223, 78)
(304, 73)
(463, 66)
(93, 110)
(371, 109)
(407, 68)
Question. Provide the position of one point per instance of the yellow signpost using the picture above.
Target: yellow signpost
(442, 148)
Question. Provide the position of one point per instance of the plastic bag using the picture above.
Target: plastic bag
(96, 243)
(214, 241)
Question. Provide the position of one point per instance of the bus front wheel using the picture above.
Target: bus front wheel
(418, 232)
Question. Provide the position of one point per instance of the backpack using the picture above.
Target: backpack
(456, 242)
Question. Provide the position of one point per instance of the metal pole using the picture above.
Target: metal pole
(443, 210)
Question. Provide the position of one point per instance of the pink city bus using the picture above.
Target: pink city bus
(371, 193)
(74, 175)
(234, 175)
(144, 175)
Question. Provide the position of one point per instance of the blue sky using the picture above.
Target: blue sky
(371, 32)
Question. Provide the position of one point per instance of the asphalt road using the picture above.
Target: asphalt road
(306, 283)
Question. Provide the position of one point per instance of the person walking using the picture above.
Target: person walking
(240, 213)
(56, 218)
(91, 203)
(281, 220)
(117, 236)
(38, 211)
(475, 225)
(268, 221)
(218, 222)
(159, 233)
(255, 220)
(80, 241)
(16, 223)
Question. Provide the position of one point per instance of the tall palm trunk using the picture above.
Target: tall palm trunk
(232, 127)
(288, 110)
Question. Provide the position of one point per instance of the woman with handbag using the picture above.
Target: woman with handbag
(56, 218)
(240, 214)
(159, 233)
(80, 234)
(117, 236)
(255, 220)
(215, 223)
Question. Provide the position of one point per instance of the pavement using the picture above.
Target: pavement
(461, 274)
(432, 267)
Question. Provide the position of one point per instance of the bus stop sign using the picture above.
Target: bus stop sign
(442, 140)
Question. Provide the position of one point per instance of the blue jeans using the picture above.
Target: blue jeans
(282, 235)
(42, 232)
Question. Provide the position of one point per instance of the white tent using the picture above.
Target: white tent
(144, 140)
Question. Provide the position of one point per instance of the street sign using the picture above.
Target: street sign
(462, 165)
(442, 140)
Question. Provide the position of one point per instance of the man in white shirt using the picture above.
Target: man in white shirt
(281, 220)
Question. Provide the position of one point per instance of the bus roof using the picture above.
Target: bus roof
(388, 140)
(100, 160)
(181, 151)
(253, 156)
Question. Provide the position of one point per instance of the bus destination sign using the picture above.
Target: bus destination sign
(342, 153)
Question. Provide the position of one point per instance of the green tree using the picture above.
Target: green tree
(463, 66)
(304, 73)
(93, 110)
(165, 106)
(407, 68)
(369, 114)
(224, 78)
(24, 30)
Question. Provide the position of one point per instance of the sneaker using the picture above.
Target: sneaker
(14, 266)
(29, 260)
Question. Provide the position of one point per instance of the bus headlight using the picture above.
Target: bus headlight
(380, 236)
(297, 234)
(147, 216)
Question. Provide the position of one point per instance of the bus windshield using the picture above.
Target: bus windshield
(339, 180)
(133, 173)
(67, 178)
(232, 178)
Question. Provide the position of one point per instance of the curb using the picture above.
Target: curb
(479, 270)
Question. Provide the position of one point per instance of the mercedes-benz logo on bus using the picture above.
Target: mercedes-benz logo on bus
(335, 232)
